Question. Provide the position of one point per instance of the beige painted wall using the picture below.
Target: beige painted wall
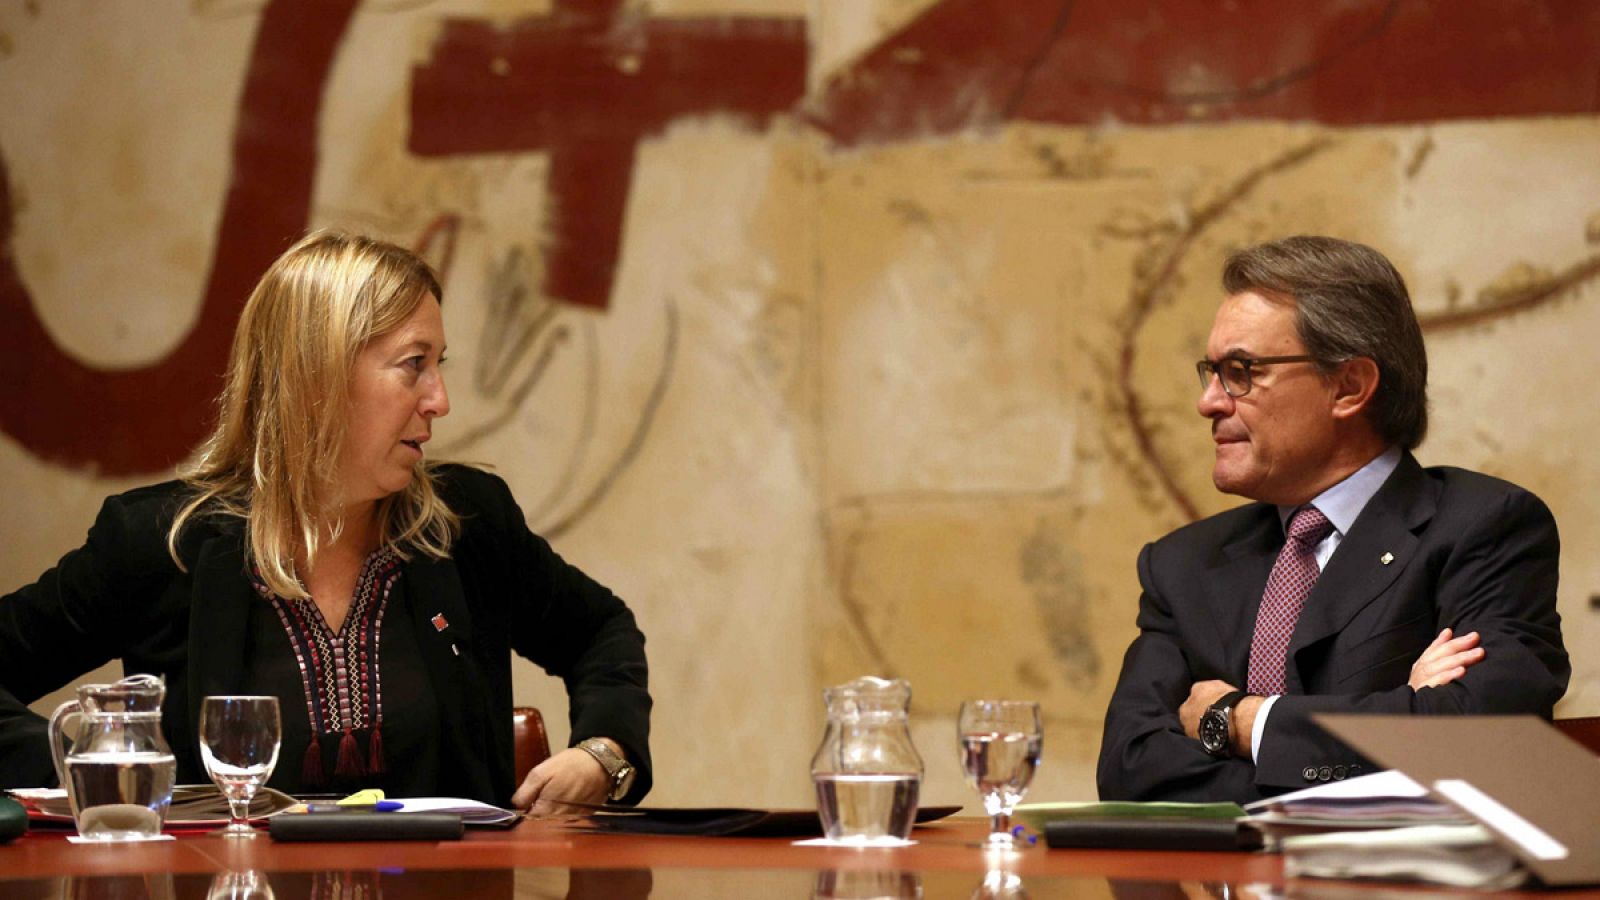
(892, 438)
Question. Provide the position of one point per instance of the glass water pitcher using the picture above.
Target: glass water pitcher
(119, 771)
(867, 772)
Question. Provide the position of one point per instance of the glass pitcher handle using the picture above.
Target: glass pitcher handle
(143, 680)
(58, 750)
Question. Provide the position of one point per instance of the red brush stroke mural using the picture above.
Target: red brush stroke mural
(128, 421)
(586, 84)
(976, 63)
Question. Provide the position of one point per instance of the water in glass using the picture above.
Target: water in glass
(1000, 765)
(867, 807)
(120, 796)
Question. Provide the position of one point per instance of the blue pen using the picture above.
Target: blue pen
(375, 806)
(1021, 833)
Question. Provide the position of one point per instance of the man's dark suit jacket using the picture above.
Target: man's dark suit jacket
(502, 590)
(1469, 552)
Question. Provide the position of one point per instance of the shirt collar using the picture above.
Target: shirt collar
(1345, 500)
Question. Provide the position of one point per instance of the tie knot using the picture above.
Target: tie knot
(1308, 526)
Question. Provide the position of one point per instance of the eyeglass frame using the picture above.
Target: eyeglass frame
(1208, 369)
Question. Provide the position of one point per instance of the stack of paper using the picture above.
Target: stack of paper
(1382, 800)
(194, 806)
(1535, 790)
(1383, 826)
(1456, 855)
(203, 806)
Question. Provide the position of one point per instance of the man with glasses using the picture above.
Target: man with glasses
(1357, 582)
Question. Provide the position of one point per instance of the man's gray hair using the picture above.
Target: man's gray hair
(1349, 303)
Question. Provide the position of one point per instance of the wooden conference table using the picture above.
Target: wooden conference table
(554, 859)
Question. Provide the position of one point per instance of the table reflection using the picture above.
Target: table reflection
(1198, 890)
(1000, 884)
(553, 883)
(247, 885)
(867, 884)
(158, 886)
(492, 884)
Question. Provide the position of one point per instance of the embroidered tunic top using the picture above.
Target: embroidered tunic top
(357, 707)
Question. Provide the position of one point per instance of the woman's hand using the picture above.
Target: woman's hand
(1445, 660)
(571, 776)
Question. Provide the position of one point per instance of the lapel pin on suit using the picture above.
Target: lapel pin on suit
(1386, 558)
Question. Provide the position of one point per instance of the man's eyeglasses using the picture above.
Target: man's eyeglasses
(1234, 371)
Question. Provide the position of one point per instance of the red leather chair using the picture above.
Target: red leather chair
(528, 737)
(1584, 730)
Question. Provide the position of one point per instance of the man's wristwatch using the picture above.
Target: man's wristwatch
(617, 768)
(1216, 725)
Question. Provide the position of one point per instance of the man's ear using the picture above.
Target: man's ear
(1354, 383)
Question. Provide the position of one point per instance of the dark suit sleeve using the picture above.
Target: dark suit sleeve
(577, 629)
(1498, 579)
(1144, 754)
(66, 623)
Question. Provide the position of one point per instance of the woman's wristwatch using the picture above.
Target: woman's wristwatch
(617, 768)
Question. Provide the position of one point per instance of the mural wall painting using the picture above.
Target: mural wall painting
(848, 339)
(274, 164)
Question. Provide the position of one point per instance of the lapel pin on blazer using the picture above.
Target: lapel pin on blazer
(1386, 558)
(440, 623)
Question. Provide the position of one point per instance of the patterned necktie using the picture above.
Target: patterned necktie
(1293, 576)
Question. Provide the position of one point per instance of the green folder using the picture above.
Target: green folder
(1038, 815)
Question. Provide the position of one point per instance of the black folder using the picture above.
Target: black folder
(728, 821)
(1149, 833)
(366, 826)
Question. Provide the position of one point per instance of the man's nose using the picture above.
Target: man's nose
(1214, 401)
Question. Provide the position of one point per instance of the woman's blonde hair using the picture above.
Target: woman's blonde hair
(273, 458)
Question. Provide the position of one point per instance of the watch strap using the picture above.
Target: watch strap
(1230, 700)
(616, 767)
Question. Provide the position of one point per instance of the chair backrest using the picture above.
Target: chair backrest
(528, 738)
(1585, 730)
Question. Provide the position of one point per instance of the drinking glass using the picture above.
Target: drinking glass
(239, 738)
(1000, 744)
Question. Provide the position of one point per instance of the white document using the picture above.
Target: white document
(472, 812)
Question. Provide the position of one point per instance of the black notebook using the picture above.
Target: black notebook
(1146, 833)
(366, 826)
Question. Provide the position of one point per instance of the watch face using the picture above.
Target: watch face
(1214, 730)
(624, 781)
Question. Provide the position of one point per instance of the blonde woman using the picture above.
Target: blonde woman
(312, 552)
